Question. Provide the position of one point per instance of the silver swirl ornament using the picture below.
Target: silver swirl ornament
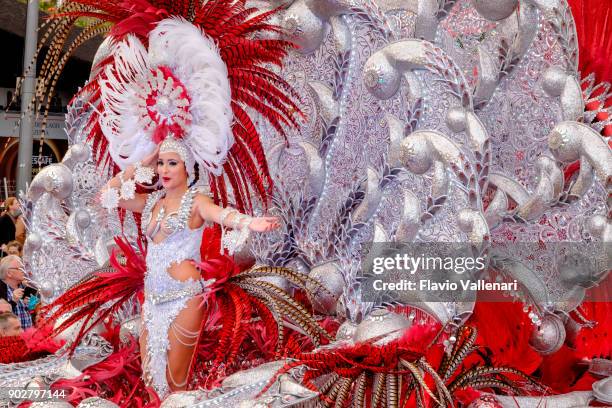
(383, 71)
(571, 141)
(381, 326)
(557, 83)
(549, 336)
(55, 179)
(307, 23)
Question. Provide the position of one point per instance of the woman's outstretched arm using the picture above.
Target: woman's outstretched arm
(231, 218)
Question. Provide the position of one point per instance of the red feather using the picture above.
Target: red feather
(593, 20)
(85, 300)
(504, 330)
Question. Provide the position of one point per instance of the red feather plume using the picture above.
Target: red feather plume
(234, 29)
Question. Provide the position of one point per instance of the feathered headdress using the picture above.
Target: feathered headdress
(186, 68)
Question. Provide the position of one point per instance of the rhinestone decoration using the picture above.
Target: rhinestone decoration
(144, 175)
(163, 102)
(110, 198)
(128, 190)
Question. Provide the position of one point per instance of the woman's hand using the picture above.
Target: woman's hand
(151, 160)
(264, 224)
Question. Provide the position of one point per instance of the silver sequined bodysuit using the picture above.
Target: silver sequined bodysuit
(165, 296)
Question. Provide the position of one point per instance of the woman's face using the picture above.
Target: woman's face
(171, 170)
(13, 250)
(13, 206)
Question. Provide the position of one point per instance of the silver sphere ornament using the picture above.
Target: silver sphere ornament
(47, 289)
(486, 401)
(80, 152)
(329, 275)
(456, 119)
(33, 242)
(415, 154)
(495, 10)
(553, 81)
(346, 331)
(549, 337)
(83, 219)
(572, 330)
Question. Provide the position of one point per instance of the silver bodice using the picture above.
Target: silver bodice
(168, 224)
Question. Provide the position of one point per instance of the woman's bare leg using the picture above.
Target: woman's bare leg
(183, 332)
(144, 355)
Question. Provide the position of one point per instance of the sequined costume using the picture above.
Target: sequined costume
(165, 296)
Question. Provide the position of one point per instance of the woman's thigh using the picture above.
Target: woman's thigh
(183, 332)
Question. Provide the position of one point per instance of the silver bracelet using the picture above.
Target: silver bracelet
(233, 240)
(224, 214)
(143, 174)
(110, 198)
(128, 187)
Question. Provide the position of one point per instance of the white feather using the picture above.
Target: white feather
(128, 141)
(194, 59)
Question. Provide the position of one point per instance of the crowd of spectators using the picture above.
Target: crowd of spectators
(18, 298)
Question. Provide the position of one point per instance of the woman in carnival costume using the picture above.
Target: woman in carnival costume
(173, 221)
(170, 100)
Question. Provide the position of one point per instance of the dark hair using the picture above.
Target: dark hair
(196, 171)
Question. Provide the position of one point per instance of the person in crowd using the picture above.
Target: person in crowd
(13, 248)
(10, 325)
(13, 289)
(5, 307)
(12, 226)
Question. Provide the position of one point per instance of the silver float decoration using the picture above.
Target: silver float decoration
(426, 121)
(92, 350)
